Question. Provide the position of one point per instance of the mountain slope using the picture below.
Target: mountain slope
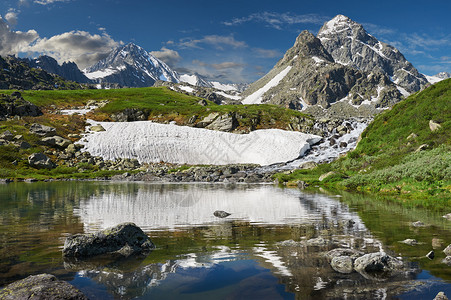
(132, 66)
(68, 70)
(307, 75)
(401, 152)
(17, 74)
(349, 44)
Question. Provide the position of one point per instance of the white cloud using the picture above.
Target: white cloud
(217, 41)
(79, 46)
(46, 2)
(13, 42)
(171, 57)
(267, 53)
(11, 18)
(278, 20)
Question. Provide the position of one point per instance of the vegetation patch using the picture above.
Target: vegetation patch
(400, 154)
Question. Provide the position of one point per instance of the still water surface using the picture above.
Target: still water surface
(259, 252)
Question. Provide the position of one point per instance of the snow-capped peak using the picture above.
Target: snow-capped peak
(131, 65)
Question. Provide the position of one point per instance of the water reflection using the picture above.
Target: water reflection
(272, 246)
(172, 206)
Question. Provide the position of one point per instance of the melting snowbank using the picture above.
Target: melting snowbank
(152, 142)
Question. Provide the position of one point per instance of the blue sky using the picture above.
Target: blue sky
(230, 41)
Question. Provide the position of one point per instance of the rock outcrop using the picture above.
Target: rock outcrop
(42, 130)
(40, 161)
(41, 287)
(125, 239)
(14, 105)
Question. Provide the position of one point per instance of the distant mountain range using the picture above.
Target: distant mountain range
(343, 63)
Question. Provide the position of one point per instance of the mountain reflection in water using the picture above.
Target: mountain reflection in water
(272, 246)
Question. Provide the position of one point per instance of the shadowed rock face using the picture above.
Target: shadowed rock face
(43, 286)
(125, 239)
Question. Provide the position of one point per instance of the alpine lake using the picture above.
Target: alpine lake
(272, 246)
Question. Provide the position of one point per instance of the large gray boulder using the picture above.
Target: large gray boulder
(14, 105)
(43, 286)
(42, 130)
(56, 141)
(125, 239)
(375, 262)
(40, 161)
(447, 250)
(226, 122)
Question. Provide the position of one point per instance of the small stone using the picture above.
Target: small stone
(97, 128)
(308, 165)
(434, 125)
(447, 260)
(422, 148)
(430, 255)
(437, 243)
(221, 214)
(412, 136)
(441, 296)
(418, 224)
(342, 264)
(447, 216)
(326, 175)
(411, 242)
(447, 250)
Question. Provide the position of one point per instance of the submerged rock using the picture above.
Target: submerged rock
(125, 239)
(337, 252)
(418, 224)
(430, 255)
(43, 286)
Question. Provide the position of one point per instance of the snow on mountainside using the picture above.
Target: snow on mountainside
(195, 80)
(438, 77)
(152, 142)
(132, 66)
(350, 45)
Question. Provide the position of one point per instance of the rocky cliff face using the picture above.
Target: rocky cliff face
(17, 74)
(68, 70)
(132, 66)
(350, 45)
(312, 77)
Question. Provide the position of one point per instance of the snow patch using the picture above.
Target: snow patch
(101, 74)
(191, 79)
(403, 91)
(223, 87)
(229, 96)
(152, 142)
(257, 97)
(433, 79)
(317, 59)
(186, 88)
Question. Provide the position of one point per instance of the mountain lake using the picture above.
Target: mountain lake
(272, 246)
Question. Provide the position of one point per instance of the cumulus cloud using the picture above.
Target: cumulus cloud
(278, 20)
(13, 42)
(11, 18)
(171, 57)
(79, 46)
(220, 66)
(217, 41)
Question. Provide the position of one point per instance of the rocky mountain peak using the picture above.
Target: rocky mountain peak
(307, 45)
(350, 45)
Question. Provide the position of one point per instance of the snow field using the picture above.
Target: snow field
(152, 142)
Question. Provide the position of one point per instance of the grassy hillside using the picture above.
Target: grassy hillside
(388, 160)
